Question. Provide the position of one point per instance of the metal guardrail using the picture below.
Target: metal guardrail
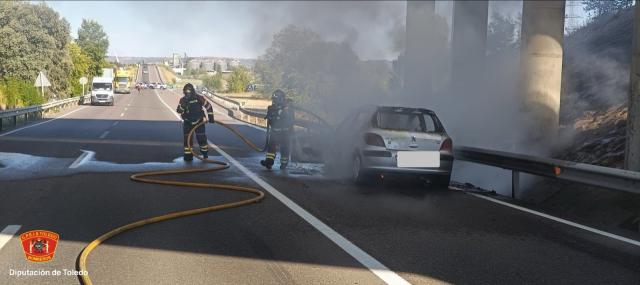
(611, 178)
(32, 112)
(235, 110)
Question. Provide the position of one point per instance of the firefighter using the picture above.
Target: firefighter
(280, 121)
(191, 109)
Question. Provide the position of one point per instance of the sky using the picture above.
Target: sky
(244, 29)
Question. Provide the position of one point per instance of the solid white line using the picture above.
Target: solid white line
(360, 255)
(84, 157)
(7, 234)
(121, 114)
(165, 104)
(563, 221)
(104, 135)
(41, 123)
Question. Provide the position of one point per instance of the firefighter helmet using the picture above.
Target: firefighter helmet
(188, 89)
(278, 97)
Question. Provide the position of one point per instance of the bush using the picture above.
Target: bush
(213, 82)
(19, 93)
(240, 78)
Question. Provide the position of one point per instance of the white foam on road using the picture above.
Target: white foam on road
(360, 255)
(560, 220)
(7, 233)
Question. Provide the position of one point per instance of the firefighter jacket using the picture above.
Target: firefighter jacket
(280, 117)
(191, 108)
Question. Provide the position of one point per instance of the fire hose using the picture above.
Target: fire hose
(145, 177)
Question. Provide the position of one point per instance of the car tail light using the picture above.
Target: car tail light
(373, 139)
(447, 145)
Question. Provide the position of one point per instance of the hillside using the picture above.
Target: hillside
(596, 65)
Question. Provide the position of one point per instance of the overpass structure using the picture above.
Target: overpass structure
(541, 54)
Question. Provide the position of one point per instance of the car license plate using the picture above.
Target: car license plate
(418, 159)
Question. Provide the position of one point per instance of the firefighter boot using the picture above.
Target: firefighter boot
(283, 163)
(204, 150)
(268, 163)
(188, 156)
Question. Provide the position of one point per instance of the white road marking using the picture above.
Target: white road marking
(115, 123)
(7, 233)
(360, 255)
(560, 220)
(125, 108)
(104, 135)
(84, 157)
(121, 114)
(41, 123)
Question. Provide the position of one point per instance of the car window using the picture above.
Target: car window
(406, 121)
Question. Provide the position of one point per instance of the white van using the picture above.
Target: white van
(102, 91)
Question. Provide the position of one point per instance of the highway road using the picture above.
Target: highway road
(70, 175)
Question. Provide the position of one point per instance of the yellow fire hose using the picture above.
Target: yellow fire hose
(143, 177)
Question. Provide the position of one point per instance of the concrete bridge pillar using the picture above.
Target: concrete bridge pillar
(541, 66)
(416, 63)
(469, 40)
(632, 154)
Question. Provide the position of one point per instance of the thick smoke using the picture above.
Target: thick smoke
(480, 108)
(373, 29)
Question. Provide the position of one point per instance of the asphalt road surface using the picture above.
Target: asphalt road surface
(71, 176)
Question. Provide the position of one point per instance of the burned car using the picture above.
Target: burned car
(374, 141)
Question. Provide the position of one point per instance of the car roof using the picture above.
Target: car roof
(404, 109)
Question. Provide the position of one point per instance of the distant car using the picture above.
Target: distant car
(161, 86)
(145, 71)
(152, 85)
(377, 140)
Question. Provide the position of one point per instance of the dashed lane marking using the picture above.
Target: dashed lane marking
(104, 135)
(7, 233)
(84, 157)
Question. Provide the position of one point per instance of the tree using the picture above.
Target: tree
(600, 7)
(94, 42)
(240, 78)
(328, 77)
(503, 34)
(81, 66)
(34, 38)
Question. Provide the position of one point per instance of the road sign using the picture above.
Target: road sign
(83, 80)
(42, 80)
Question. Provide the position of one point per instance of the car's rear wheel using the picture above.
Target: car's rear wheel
(357, 174)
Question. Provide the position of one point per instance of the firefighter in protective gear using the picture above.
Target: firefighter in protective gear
(191, 109)
(280, 121)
